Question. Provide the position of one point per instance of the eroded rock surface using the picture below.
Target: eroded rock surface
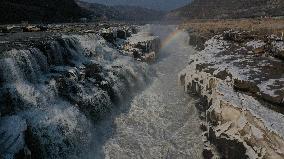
(134, 41)
(242, 88)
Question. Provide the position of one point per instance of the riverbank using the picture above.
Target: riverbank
(238, 72)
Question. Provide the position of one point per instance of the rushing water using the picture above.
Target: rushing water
(161, 121)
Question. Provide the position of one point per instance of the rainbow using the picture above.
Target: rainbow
(170, 38)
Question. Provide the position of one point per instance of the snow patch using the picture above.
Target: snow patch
(255, 44)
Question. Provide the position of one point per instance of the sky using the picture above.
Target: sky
(152, 4)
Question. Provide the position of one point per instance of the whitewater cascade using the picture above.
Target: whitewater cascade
(51, 95)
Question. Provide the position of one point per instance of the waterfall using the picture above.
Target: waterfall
(59, 91)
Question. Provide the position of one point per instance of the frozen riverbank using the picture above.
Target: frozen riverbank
(239, 75)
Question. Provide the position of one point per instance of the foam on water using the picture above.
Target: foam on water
(161, 121)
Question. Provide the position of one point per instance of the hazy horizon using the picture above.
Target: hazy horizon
(152, 4)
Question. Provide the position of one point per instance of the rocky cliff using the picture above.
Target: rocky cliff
(241, 85)
(224, 9)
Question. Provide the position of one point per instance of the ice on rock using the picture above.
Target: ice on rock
(12, 130)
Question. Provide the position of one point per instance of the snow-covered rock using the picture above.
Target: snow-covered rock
(243, 94)
(278, 49)
(141, 45)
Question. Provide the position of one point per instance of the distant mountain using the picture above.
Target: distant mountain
(124, 13)
(134, 13)
(51, 11)
(98, 11)
(15, 11)
(164, 5)
(226, 9)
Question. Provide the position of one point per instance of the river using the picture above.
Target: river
(160, 121)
